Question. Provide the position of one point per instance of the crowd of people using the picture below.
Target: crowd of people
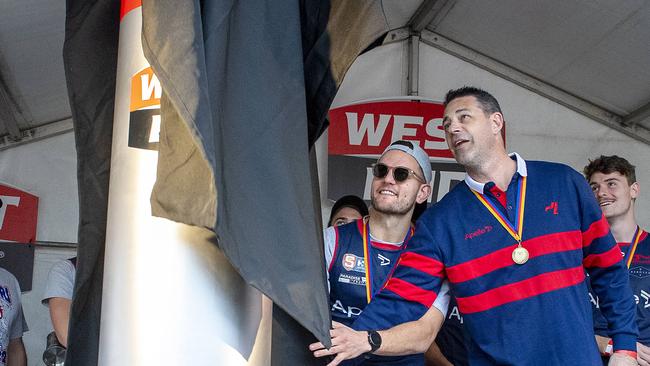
(524, 263)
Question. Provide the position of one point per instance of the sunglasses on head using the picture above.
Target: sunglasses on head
(400, 173)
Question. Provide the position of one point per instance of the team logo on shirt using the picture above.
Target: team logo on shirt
(639, 272)
(353, 263)
(552, 207)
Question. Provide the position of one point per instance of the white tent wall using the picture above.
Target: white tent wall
(47, 169)
(536, 127)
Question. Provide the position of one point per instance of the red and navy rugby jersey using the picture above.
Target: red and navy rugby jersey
(530, 314)
(347, 272)
(347, 280)
(640, 283)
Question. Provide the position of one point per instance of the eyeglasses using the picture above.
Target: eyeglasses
(400, 173)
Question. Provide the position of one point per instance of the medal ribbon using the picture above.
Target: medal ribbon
(633, 244)
(517, 229)
(367, 256)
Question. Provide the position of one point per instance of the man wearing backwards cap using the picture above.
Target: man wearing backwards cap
(360, 255)
(514, 241)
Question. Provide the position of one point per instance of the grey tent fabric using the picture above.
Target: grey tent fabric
(90, 59)
(233, 72)
(182, 168)
(353, 26)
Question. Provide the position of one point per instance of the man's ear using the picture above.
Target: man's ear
(423, 193)
(635, 189)
(496, 121)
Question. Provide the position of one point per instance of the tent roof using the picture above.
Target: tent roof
(590, 56)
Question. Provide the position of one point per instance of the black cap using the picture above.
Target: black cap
(351, 201)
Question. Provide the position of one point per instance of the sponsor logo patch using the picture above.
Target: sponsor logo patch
(353, 263)
(479, 231)
(639, 272)
(352, 280)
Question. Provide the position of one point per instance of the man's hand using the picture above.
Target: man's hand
(643, 354)
(620, 359)
(347, 343)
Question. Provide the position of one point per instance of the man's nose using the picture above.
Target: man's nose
(390, 178)
(454, 125)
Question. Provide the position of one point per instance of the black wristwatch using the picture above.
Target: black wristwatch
(375, 340)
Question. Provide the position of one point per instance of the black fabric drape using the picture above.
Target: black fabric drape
(90, 60)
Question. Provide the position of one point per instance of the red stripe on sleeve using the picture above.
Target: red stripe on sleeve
(421, 263)
(530, 287)
(410, 292)
(596, 230)
(541, 245)
(604, 259)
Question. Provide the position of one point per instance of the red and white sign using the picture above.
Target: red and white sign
(368, 128)
(18, 215)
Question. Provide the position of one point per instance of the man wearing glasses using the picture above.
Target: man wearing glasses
(514, 241)
(360, 255)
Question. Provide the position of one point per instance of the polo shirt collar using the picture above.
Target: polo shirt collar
(521, 169)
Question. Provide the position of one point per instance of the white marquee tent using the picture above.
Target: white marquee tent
(572, 78)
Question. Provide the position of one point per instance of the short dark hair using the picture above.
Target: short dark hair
(487, 101)
(352, 201)
(610, 164)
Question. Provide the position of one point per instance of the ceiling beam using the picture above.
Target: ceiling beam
(540, 87)
(430, 14)
(637, 116)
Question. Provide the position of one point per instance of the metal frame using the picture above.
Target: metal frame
(626, 126)
(432, 12)
(38, 133)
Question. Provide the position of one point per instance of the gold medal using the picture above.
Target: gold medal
(520, 255)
